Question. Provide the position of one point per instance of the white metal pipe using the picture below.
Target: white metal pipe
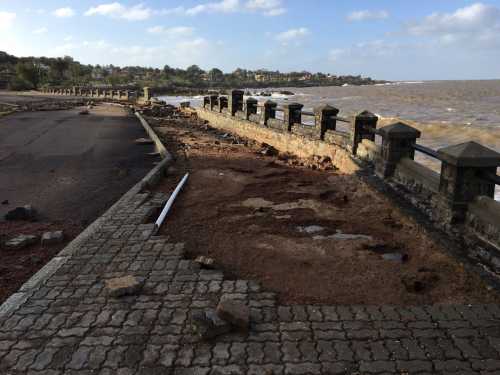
(169, 203)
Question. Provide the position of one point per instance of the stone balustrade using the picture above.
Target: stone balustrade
(459, 200)
(109, 94)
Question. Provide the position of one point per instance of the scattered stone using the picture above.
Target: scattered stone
(84, 112)
(205, 262)
(396, 257)
(121, 286)
(52, 238)
(144, 141)
(268, 150)
(207, 324)
(21, 213)
(235, 312)
(421, 281)
(310, 229)
(21, 241)
(5, 202)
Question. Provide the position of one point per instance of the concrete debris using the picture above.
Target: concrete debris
(235, 312)
(21, 213)
(208, 325)
(84, 112)
(144, 141)
(268, 150)
(310, 229)
(126, 285)
(396, 257)
(205, 262)
(21, 241)
(52, 238)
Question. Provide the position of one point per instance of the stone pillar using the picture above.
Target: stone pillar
(463, 169)
(269, 111)
(223, 103)
(213, 101)
(126, 94)
(235, 101)
(363, 127)
(206, 102)
(397, 143)
(147, 93)
(324, 119)
(73, 91)
(292, 114)
(250, 107)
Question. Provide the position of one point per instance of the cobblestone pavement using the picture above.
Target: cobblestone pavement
(68, 325)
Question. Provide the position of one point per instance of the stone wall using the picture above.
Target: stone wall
(459, 200)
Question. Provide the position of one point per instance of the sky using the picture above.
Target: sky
(393, 40)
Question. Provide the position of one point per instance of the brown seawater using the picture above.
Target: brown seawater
(446, 112)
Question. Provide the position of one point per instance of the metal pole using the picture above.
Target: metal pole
(169, 204)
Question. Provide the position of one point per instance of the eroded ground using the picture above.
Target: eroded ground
(313, 236)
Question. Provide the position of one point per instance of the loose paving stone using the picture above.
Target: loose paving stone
(122, 286)
(235, 312)
(207, 324)
(21, 241)
(52, 238)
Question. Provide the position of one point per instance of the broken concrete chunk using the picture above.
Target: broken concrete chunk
(52, 238)
(84, 112)
(205, 262)
(207, 324)
(121, 286)
(144, 141)
(396, 257)
(21, 213)
(235, 312)
(21, 241)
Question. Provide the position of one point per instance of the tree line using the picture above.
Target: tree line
(35, 72)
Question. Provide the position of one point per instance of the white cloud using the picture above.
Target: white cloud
(268, 7)
(474, 25)
(365, 50)
(292, 35)
(41, 30)
(68, 38)
(172, 32)
(117, 10)
(224, 6)
(6, 20)
(365, 15)
(64, 12)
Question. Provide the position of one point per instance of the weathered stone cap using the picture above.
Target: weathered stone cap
(237, 92)
(367, 114)
(399, 130)
(251, 100)
(326, 108)
(469, 154)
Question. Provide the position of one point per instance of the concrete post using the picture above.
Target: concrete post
(269, 111)
(250, 107)
(235, 101)
(463, 167)
(213, 101)
(397, 143)
(324, 119)
(363, 127)
(292, 114)
(223, 103)
(147, 93)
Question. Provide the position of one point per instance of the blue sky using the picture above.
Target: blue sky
(394, 40)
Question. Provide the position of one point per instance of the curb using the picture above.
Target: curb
(17, 299)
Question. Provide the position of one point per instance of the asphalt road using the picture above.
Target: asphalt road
(70, 166)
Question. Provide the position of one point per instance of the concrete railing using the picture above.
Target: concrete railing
(457, 199)
(143, 96)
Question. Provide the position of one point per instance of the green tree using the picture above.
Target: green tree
(28, 73)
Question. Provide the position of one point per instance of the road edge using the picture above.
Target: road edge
(13, 302)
